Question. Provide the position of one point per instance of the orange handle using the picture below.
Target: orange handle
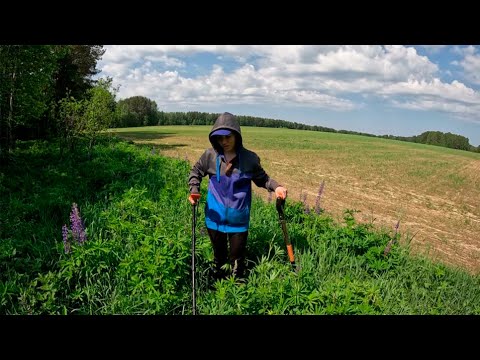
(290, 253)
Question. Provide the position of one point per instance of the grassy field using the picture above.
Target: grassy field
(433, 191)
(109, 231)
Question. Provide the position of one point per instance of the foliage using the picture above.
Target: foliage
(25, 88)
(70, 116)
(136, 257)
(439, 138)
(99, 110)
(136, 111)
(33, 81)
(76, 66)
(88, 117)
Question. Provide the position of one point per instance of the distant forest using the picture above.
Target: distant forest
(141, 111)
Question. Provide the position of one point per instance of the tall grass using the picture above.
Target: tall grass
(434, 191)
(136, 257)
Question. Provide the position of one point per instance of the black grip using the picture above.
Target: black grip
(280, 206)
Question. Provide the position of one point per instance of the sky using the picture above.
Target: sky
(376, 89)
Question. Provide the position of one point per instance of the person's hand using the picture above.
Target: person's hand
(194, 198)
(281, 192)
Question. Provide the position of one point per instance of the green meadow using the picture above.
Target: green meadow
(136, 255)
(433, 191)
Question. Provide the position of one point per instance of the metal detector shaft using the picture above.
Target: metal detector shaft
(281, 214)
(194, 220)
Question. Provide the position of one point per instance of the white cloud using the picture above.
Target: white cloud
(471, 65)
(322, 76)
(453, 98)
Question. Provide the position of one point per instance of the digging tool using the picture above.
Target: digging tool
(194, 223)
(281, 215)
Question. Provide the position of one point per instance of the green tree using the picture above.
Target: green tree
(75, 70)
(99, 110)
(25, 89)
(137, 111)
(71, 116)
(76, 66)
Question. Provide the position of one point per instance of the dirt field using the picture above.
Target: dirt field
(434, 192)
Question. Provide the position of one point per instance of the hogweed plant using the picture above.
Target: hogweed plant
(76, 232)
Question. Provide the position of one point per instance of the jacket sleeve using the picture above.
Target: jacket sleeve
(197, 172)
(261, 178)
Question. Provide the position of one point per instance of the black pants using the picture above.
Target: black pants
(238, 244)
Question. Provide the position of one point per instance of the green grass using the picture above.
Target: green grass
(433, 190)
(136, 259)
(365, 155)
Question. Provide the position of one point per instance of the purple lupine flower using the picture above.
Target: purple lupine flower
(78, 228)
(66, 242)
(305, 205)
(319, 195)
(83, 236)
(75, 222)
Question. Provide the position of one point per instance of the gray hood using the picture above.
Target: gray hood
(230, 122)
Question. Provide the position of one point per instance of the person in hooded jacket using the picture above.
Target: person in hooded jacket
(231, 169)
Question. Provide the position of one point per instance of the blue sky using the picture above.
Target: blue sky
(376, 89)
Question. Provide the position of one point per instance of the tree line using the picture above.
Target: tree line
(141, 111)
(48, 91)
(439, 138)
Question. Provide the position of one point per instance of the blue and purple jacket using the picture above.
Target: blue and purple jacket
(229, 196)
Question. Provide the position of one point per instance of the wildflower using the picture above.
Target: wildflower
(66, 242)
(78, 228)
(305, 205)
(319, 195)
(392, 241)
